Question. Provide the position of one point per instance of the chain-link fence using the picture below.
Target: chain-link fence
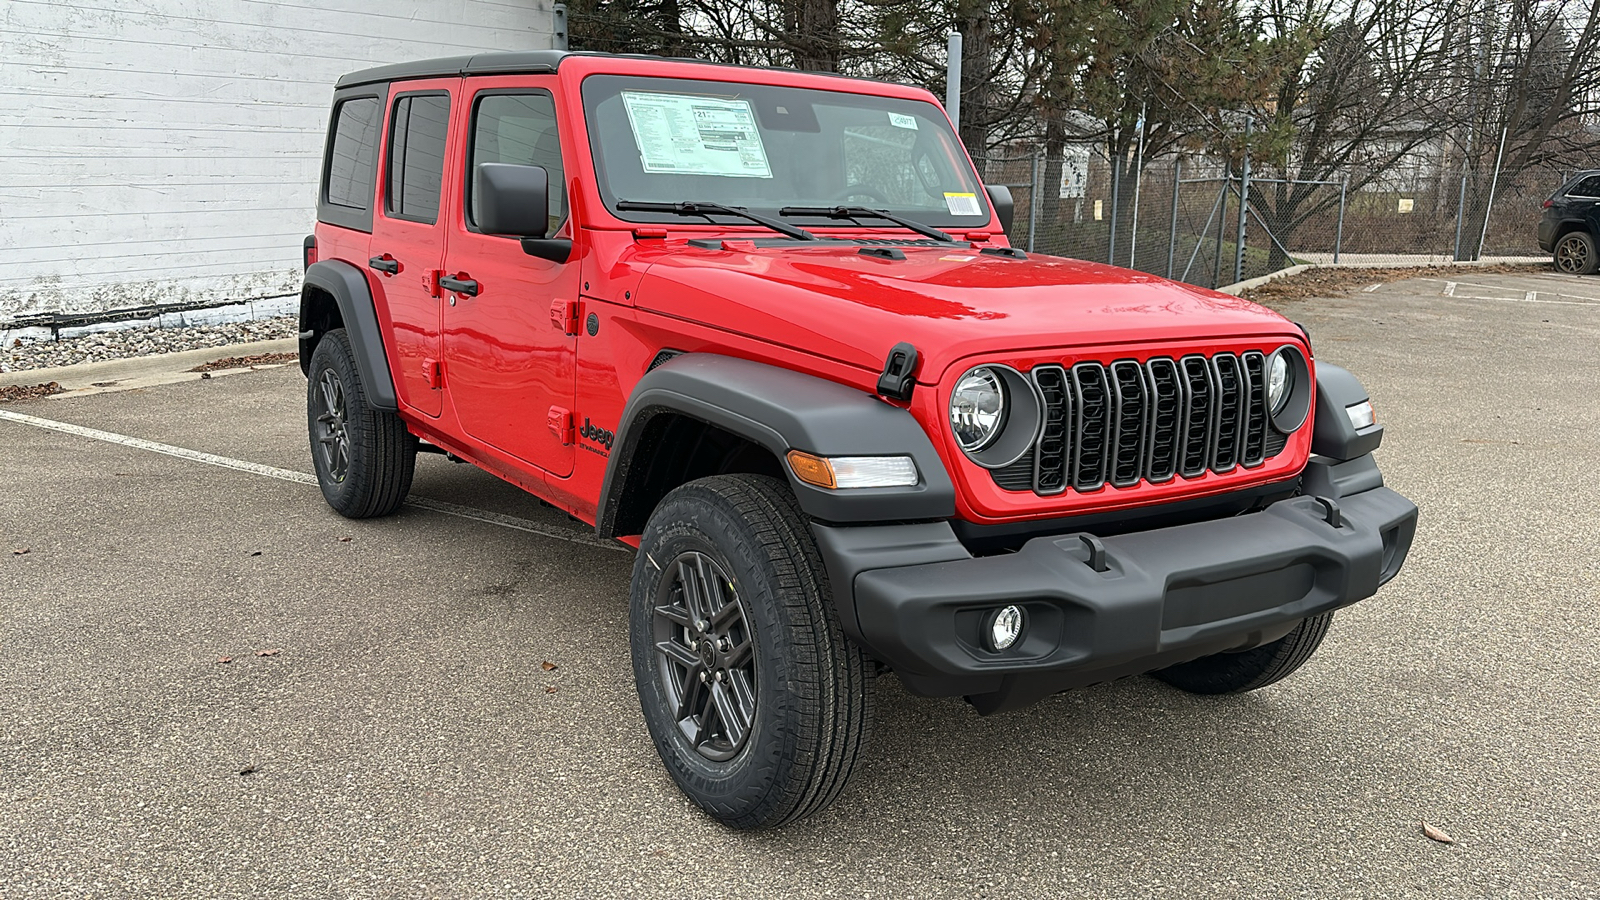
(1182, 219)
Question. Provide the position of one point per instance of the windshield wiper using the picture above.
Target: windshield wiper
(856, 212)
(701, 208)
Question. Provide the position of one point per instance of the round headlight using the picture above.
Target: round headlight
(1280, 382)
(977, 409)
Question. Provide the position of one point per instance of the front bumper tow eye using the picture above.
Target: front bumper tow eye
(1330, 510)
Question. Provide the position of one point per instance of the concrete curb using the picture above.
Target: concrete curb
(142, 371)
(1240, 287)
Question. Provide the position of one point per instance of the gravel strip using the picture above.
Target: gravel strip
(30, 353)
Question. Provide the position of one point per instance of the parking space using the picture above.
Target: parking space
(406, 738)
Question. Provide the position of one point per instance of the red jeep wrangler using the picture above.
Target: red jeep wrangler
(765, 327)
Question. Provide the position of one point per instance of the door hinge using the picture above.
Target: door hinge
(566, 315)
(562, 427)
(433, 370)
(430, 281)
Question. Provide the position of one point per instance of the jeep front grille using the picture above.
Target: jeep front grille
(1127, 422)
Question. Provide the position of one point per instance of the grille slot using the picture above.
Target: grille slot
(1091, 396)
(1125, 422)
(1128, 421)
(1166, 406)
(1051, 453)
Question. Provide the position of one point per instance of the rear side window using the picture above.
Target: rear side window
(416, 156)
(353, 153)
(521, 129)
(1588, 187)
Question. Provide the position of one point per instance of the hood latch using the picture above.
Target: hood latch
(899, 373)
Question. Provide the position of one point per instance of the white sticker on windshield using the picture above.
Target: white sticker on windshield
(695, 135)
(900, 121)
(963, 204)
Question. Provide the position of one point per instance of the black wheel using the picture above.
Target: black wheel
(1235, 673)
(364, 457)
(1575, 254)
(755, 699)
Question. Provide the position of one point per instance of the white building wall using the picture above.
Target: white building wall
(162, 151)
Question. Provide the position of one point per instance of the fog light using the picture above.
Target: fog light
(1005, 627)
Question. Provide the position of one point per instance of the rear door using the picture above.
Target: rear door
(408, 235)
(510, 359)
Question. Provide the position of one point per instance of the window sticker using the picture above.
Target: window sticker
(694, 135)
(900, 121)
(962, 204)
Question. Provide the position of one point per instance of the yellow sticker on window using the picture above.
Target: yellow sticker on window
(962, 204)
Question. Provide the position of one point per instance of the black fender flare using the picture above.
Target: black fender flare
(348, 286)
(1332, 434)
(782, 410)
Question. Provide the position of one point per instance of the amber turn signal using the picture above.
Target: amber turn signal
(812, 469)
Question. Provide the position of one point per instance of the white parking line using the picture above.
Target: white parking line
(1449, 288)
(239, 465)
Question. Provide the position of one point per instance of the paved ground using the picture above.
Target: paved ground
(407, 742)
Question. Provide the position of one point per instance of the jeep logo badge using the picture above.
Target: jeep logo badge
(597, 434)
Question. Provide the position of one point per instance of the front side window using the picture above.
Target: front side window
(518, 128)
(352, 154)
(417, 135)
(765, 148)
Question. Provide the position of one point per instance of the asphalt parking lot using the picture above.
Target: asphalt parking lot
(407, 740)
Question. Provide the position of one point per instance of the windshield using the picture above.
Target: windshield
(762, 147)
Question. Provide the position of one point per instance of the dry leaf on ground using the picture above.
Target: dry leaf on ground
(22, 551)
(548, 666)
(224, 660)
(273, 652)
(1436, 834)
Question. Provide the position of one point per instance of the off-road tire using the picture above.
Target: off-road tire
(1235, 673)
(813, 688)
(1575, 254)
(380, 455)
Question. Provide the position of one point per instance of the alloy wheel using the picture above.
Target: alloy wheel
(332, 434)
(1572, 255)
(705, 655)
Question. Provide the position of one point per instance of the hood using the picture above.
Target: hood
(948, 302)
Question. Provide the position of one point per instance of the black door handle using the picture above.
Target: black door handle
(385, 264)
(459, 285)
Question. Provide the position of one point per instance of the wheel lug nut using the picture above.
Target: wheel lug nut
(702, 678)
(718, 676)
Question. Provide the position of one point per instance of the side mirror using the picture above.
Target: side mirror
(1000, 199)
(512, 199)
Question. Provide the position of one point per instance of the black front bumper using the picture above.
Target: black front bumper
(917, 600)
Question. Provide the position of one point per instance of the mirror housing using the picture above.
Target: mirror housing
(1000, 199)
(512, 200)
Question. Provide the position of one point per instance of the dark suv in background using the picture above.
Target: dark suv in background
(1571, 222)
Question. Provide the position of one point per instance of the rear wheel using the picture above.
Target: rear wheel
(1575, 254)
(755, 699)
(364, 457)
(1235, 673)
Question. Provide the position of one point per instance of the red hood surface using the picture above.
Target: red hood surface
(949, 303)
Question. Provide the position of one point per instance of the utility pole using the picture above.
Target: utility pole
(558, 27)
(1244, 206)
(952, 80)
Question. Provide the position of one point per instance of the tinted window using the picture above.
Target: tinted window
(351, 159)
(519, 129)
(1588, 187)
(416, 155)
